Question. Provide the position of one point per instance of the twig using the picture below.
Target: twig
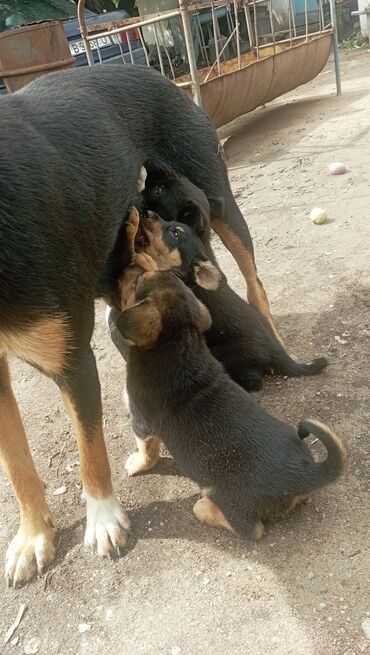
(14, 626)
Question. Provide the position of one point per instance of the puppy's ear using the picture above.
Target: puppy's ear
(192, 215)
(204, 317)
(217, 206)
(206, 275)
(140, 325)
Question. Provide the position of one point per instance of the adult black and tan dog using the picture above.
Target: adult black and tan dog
(71, 148)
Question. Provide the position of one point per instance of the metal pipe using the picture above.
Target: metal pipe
(255, 29)
(84, 31)
(237, 33)
(190, 52)
(322, 16)
(215, 36)
(290, 21)
(248, 21)
(335, 46)
(203, 43)
(166, 51)
(130, 48)
(214, 63)
(159, 51)
(121, 50)
(142, 23)
(143, 47)
(272, 24)
(306, 19)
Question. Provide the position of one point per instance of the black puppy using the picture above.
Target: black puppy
(72, 145)
(249, 465)
(239, 337)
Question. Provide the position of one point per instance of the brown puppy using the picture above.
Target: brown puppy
(249, 465)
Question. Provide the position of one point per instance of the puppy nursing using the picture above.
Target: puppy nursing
(250, 466)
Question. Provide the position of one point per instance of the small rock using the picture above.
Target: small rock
(61, 490)
(310, 575)
(322, 606)
(205, 581)
(84, 627)
(365, 625)
(175, 650)
(340, 340)
(72, 466)
(14, 641)
(228, 574)
(32, 646)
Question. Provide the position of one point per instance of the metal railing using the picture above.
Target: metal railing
(213, 33)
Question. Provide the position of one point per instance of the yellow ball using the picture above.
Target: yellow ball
(318, 216)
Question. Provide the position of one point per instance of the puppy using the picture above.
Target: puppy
(239, 336)
(249, 465)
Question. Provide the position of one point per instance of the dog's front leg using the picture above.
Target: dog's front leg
(32, 549)
(107, 524)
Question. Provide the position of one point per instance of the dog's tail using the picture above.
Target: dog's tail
(335, 463)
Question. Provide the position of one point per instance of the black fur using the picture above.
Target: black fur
(254, 464)
(239, 337)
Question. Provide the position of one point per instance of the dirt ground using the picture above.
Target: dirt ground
(183, 588)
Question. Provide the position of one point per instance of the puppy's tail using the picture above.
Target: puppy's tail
(335, 463)
(286, 365)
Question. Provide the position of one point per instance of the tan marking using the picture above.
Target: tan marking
(142, 179)
(94, 464)
(205, 320)
(245, 260)
(127, 286)
(32, 548)
(208, 512)
(132, 226)
(146, 456)
(44, 344)
(158, 250)
(141, 324)
(146, 262)
(259, 531)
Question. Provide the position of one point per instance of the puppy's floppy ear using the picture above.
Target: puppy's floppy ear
(206, 275)
(191, 214)
(217, 206)
(140, 325)
(204, 317)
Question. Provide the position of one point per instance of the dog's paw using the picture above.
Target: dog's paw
(107, 525)
(29, 553)
(137, 463)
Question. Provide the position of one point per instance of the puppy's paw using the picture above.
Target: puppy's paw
(107, 525)
(138, 463)
(30, 552)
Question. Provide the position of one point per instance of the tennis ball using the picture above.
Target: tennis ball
(318, 216)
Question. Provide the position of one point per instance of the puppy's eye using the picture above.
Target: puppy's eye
(175, 233)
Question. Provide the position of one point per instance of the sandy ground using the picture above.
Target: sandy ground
(182, 588)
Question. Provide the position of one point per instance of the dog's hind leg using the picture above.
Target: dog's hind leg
(107, 524)
(32, 549)
(207, 511)
(233, 231)
(146, 456)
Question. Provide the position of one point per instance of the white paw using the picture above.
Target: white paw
(106, 525)
(136, 463)
(29, 553)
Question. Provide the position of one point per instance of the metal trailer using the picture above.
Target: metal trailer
(237, 63)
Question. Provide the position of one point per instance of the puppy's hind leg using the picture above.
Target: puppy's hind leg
(207, 511)
(146, 456)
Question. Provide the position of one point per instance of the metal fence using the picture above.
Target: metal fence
(195, 42)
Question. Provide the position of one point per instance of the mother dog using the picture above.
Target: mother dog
(71, 148)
